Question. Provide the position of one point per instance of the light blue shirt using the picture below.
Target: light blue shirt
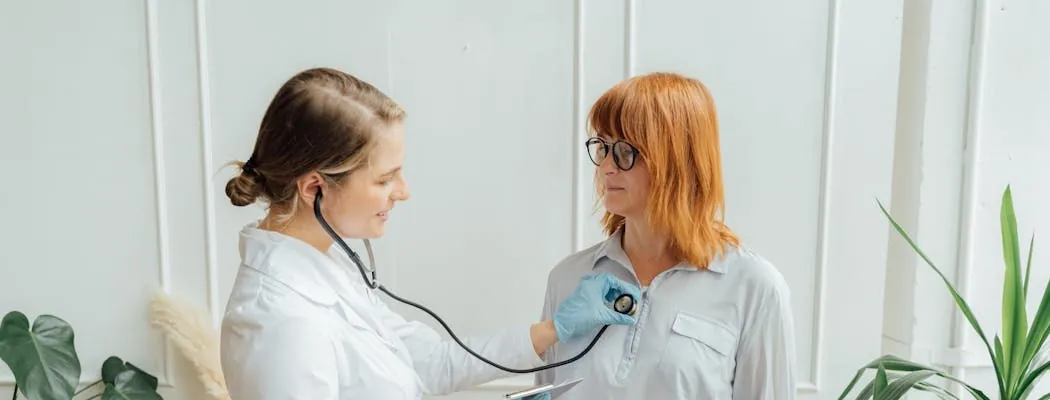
(722, 333)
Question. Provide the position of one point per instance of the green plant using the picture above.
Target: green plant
(1012, 355)
(44, 361)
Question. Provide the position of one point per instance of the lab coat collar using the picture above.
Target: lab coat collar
(281, 256)
(612, 249)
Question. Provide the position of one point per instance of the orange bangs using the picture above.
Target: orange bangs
(672, 121)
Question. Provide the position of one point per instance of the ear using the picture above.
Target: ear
(308, 185)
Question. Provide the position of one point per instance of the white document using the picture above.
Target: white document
(554, 389)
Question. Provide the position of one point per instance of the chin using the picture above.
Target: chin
(614, 207)
(376, 231)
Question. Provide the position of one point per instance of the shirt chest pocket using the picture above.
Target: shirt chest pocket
(699, 355)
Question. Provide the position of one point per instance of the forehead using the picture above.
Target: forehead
(390, 147)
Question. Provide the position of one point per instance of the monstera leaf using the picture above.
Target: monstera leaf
(126, 381)
(43, 359)
(131, 384)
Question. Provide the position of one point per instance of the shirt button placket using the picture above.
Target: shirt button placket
(635, 333)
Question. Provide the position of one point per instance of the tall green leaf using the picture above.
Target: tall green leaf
(893, 364)
(901, 386)
(1028, 265)
(881, 381)
(868, 391)
(1032, 376)
(43, 359)
(1040, 324)
(963, 306)
(1015, 318)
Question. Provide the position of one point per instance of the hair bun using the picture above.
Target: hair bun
(242, 189)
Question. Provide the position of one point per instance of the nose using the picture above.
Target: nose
(402, 194)
(608, 166)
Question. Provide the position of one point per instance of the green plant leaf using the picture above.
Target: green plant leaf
(1040, 328)
(880, 380)
(1015, 317)
(906, 383)
(1030, 378)
(130, 385)
(963, 306)
(113, 366)
(1028, 265)
(44, 360)
(941, 393)
(998, 350)
(893, 363)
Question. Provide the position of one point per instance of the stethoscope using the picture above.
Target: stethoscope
(624, 304)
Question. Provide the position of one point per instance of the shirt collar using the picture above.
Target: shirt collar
(291, 262)
(611, 248)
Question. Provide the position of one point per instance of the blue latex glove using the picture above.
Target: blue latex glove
(590, 306)
(541, 396)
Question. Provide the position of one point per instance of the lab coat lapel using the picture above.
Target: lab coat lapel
(361, 301)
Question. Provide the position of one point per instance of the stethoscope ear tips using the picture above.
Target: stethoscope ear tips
(625, 304)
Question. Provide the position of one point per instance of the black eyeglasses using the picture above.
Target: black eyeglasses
(623, 153)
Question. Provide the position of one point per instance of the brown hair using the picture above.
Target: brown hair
(321, 120)
(672, 121)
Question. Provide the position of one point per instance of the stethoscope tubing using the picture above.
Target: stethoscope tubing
(373, 283)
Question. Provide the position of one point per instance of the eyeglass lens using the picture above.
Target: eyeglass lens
(623, 152)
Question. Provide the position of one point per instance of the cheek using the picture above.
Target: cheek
(363, 202)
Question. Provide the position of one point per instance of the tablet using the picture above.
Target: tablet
(553, 389)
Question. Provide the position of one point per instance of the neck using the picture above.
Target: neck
(301, 227)
(649, 252)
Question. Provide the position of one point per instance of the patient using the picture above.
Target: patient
(714, 320)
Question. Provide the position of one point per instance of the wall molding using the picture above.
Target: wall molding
(164, 378)
(971, 155)
(629, 42)
(827, 136)
(204, 93)
(578, 128)
(159, 169)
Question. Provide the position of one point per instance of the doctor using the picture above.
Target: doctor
(300, 323)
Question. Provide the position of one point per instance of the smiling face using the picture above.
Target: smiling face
(360, 205)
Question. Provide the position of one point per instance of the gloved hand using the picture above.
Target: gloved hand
(541, 396)
(590, 306)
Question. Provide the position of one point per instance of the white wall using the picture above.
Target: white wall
(972, 119)
(120, 115)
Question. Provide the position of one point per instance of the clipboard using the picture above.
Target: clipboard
(554, 389)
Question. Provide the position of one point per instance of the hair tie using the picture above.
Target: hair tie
(248, 167)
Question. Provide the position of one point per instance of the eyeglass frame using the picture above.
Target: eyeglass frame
(608, 147)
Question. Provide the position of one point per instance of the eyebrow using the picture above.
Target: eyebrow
(391, 172)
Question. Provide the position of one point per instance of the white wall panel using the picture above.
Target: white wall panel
(982, 127)
(1012, 145)
(88, 229)
(806, 94)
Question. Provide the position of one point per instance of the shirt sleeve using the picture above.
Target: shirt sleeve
(548, 375)
(293, 360)
(765, 365)
(444, 367)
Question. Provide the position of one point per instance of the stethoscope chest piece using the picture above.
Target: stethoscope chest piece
(625, 304)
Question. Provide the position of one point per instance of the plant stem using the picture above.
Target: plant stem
(14, 396)
(86, 387)
(95, 396)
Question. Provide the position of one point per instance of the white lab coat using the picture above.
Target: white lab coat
(301, 324)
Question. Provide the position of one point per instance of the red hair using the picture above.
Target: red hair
(673, 122)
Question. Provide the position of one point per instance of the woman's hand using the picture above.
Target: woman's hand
(589, 306)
